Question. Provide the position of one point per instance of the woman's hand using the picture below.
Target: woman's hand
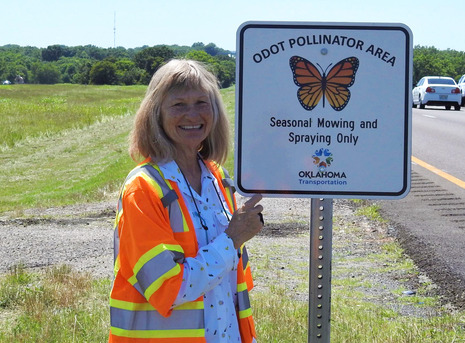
(246, 222)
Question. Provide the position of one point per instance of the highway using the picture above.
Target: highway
(430, 220)
(438, 138)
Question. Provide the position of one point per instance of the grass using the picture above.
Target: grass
(63, 144)
(55, 305)
(370, 211)
(61, 305)
(66, 144)
(364, 308)
(358, 314)
(360, 321)
(39, 110)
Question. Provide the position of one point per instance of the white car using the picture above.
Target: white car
(437, 91)
(461, 85)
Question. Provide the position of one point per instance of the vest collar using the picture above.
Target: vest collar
(172, 172)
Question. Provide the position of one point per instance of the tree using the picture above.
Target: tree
(201, 56)
(95, 52)
(103, 73)
(226, 72)
(198, 46)
(54, 52)
(82, 75)
(431, 61)
(68, 68)
(150, 59)
(45, 73)
(127, 72)
(13, 64)
(211, 49)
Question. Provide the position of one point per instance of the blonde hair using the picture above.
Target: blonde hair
(148, 138)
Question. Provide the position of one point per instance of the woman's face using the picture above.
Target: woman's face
(187, 118)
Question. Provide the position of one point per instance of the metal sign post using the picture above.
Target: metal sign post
(319, 300)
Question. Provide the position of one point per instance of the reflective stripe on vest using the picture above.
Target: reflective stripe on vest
(163, 259)
(143, 321)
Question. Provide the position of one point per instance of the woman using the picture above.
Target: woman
(181, 271)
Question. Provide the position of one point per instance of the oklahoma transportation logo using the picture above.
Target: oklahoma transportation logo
(322, 159)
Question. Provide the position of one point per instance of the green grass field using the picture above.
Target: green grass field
(63, 144)
(67, 144)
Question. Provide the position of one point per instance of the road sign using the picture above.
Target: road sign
(323, 109)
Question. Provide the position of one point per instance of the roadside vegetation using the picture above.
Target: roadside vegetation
(78, 158)
(62, 144)
(120, 66)
(105, 66)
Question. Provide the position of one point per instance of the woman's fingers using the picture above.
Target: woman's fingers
(246, 222)
(250, 204)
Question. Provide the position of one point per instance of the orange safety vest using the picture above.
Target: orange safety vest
(156, 236)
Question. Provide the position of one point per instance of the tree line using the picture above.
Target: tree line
(120, 66)
(112, 66)
(434, 62)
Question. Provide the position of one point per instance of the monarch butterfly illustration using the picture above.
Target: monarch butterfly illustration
(314, 86)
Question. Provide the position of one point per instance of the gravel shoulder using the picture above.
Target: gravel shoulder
(82, 236)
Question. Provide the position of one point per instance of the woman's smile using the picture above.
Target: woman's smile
(192, 127)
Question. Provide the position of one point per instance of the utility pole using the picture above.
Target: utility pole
(114, 29)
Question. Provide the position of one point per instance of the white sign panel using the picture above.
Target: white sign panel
(323, 109)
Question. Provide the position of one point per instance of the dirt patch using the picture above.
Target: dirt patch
(80, 236)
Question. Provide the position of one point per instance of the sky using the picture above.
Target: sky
(41, 23)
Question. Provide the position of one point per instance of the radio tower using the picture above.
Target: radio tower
(114, 29)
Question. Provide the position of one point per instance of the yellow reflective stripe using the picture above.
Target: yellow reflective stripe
(185, 226)
(149, 255)
(152, 183)
(241, 287)
(147, 178)
(157, 284)
(117, 219)
(245, 313)
(158, 333)
(184, 222)
(127, 305)
(117, 265)
(159, 170)
(195, 305)
(229, 197)
(220, 169)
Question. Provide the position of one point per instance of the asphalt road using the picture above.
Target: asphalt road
(430, 220)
